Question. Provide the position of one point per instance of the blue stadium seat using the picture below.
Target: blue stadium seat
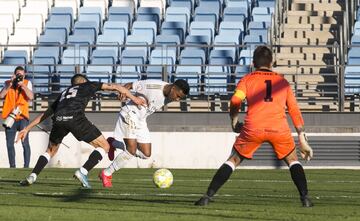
(132, 65)
(91, 14)
(138, 42)
(261, 14)
(169, 42)
(225, 40)
(101, 65)
(357, 28)
(158, 59)
(174, 28)
(12, 59)
(146, 29)
(352, 80)
(52, 41)
(266, 3)
(123, 14)
(190, 68)
(199, 42)
(178, 14)
(116, 30)
(235, 14)
(203, 28)
(149, 14)
(71, 57)
(111, 43)
(240, 71)
(355, 39)
(44, 56)
(212, 5)
(133, 61)
(64, 14)
(183, 3)
(207, 14)
(81, 42)
(233, 30)
(59, 28)
(246, 56)
(217, 77)
(237, 3)
(86, 28)
(354, 56)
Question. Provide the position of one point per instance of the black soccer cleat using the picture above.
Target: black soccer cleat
(306, 202)
(24, 183)
(203, 201)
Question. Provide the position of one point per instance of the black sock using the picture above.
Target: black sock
(298, 176)
(40, 164)
(94, 158)
(220, 177)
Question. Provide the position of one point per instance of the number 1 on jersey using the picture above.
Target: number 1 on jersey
(268, 97)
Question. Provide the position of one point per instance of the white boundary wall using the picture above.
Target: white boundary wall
(169, 150)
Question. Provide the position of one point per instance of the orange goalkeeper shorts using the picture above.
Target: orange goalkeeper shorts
(250, 140)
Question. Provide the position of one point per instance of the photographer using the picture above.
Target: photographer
(17, 93)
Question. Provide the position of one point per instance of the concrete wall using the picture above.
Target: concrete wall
(192, 150)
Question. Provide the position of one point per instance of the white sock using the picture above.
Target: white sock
(119, 162)
(34, 176)
(230, 164)
(84, 171)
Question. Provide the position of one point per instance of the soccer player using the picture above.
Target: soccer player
(68, 113)
(131, 128)
(267, 94)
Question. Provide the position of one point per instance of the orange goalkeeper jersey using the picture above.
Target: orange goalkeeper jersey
(268, 94)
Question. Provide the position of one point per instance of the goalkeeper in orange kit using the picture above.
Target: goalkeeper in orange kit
(268, 94)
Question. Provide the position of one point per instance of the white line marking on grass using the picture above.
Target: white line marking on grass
(230, 180)
(185, 195)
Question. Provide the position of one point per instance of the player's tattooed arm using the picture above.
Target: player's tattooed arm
(123, 91)
(40, 118)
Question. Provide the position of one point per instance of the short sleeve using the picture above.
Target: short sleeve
(56, 102)
(29, 86)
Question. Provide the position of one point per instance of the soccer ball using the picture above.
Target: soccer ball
(163, 178)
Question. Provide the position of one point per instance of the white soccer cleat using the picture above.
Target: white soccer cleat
(28, 180)
(82, 178)
(305, 149)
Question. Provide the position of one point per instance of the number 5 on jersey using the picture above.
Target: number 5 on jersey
(69, 93)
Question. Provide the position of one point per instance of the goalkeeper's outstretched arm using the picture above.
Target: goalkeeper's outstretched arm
(297, 119)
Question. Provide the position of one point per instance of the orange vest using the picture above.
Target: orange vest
(13, 99)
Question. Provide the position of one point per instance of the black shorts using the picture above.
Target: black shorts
(81, 128)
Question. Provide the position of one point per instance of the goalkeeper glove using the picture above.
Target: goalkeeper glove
(236, 125)
(305, 149)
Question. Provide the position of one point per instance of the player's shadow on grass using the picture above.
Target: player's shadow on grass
(78, 195)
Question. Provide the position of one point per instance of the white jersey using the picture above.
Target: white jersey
(153, 92)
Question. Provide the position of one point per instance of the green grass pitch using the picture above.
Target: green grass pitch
(249, 195)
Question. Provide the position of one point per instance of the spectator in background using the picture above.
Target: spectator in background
(17, 92)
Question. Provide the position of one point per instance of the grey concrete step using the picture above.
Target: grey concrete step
(294, 33)
(295, 19)
(313, 13)
(311, 27)
(303, 49)
(309, 6)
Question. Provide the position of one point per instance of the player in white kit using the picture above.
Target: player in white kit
(131, 132)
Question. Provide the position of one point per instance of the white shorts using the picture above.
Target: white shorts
(126, 128)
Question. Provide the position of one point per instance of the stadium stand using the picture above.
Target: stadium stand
(208, 42)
